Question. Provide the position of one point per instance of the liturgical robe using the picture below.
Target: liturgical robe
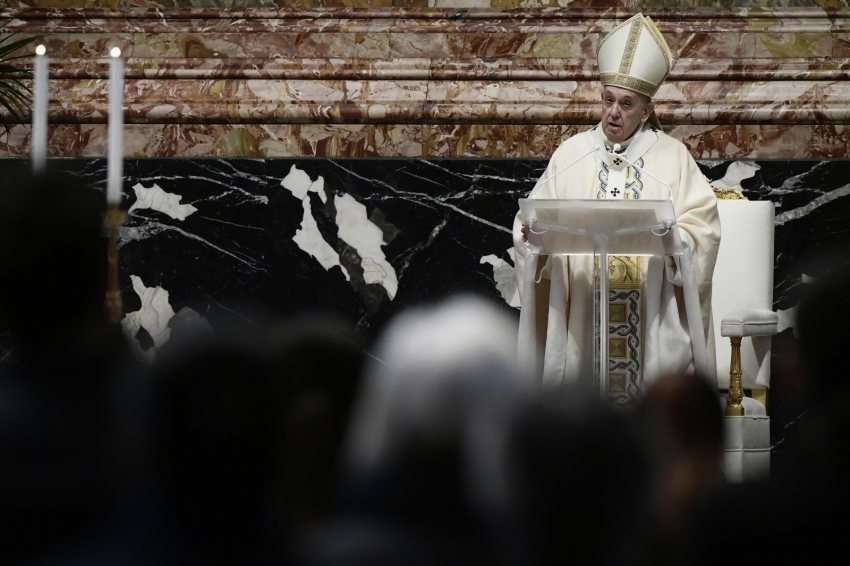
(650, 332)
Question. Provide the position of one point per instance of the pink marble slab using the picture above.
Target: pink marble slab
(463, 101)
(414, 140)
(213, 81)
(401, 68)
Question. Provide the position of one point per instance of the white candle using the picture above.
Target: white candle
(115, 155)
(38, 141)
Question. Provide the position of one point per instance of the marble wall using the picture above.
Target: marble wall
(383, 81)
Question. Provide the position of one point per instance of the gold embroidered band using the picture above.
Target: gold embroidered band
(631, 46)
(631, 83)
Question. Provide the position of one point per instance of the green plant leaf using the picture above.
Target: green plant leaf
(14, 94)
(12, 47)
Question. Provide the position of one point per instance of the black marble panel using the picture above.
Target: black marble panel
(438, 218)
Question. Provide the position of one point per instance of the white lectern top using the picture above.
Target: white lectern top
(573, 226)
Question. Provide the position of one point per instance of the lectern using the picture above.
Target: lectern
(601, 228)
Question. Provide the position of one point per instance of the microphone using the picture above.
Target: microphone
(541, 181)
(614, 151)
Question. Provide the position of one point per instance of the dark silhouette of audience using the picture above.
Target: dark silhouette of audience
(684, 429)
(403, 493)
(60, 439)
(578, 481)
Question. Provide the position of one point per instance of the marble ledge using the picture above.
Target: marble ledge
(432, 44)
(415, 140)
(412, 68)
(352, 112)
(65, 95)
(570, 22)
(425, 9)
(432, 101)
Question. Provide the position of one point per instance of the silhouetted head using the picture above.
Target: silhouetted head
(59, 385)
(319, 365)
(687, 410)
(53, 251)
(432, 366)
(574, 472)
(684, 420)
(217, 413)
(821, 318)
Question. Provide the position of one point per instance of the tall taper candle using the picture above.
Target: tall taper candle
(115, 155)
(38, 139)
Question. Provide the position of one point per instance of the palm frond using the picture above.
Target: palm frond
(12, 47)
(14, 94)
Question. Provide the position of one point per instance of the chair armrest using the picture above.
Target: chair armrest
(750, 322)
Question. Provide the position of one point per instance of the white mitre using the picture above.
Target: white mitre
(634, 56)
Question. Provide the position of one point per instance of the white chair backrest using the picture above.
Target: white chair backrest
(743, 279)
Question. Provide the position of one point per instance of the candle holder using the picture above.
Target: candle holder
(113, 219)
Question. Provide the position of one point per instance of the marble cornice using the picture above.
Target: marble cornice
(473, 13)
(394, 68)
(414, 140)
(411, 20)
(412, 68)
(341, 101)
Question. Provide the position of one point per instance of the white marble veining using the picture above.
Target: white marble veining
(298, 182)
(309, 238)
(505, 275)
(157, 199)
(411, 252)
(131, 233)
(426, 199)
(802, 211)
(230, 188)
(153, 316)
(737, 172)
(356, 230)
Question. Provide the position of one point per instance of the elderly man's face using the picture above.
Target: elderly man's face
(622, 112)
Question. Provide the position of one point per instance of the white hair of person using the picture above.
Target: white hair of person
(434, 366)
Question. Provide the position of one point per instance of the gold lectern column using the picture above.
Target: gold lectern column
(114, 218)
(736, 393)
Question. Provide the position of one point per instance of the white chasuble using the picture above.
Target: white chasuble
(650, 298)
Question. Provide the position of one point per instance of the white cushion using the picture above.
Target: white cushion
(747, 447)
(749, 322)
(743, 280)
(746, 465)
(747, 433)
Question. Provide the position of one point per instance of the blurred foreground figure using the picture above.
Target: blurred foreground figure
(563, 479)
(248, 426)
(320, 366)
(217, 454)
(59, 431)
(405, 501)
(685, 424)
(801, 515)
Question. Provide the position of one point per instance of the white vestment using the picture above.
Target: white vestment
(556, 332)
